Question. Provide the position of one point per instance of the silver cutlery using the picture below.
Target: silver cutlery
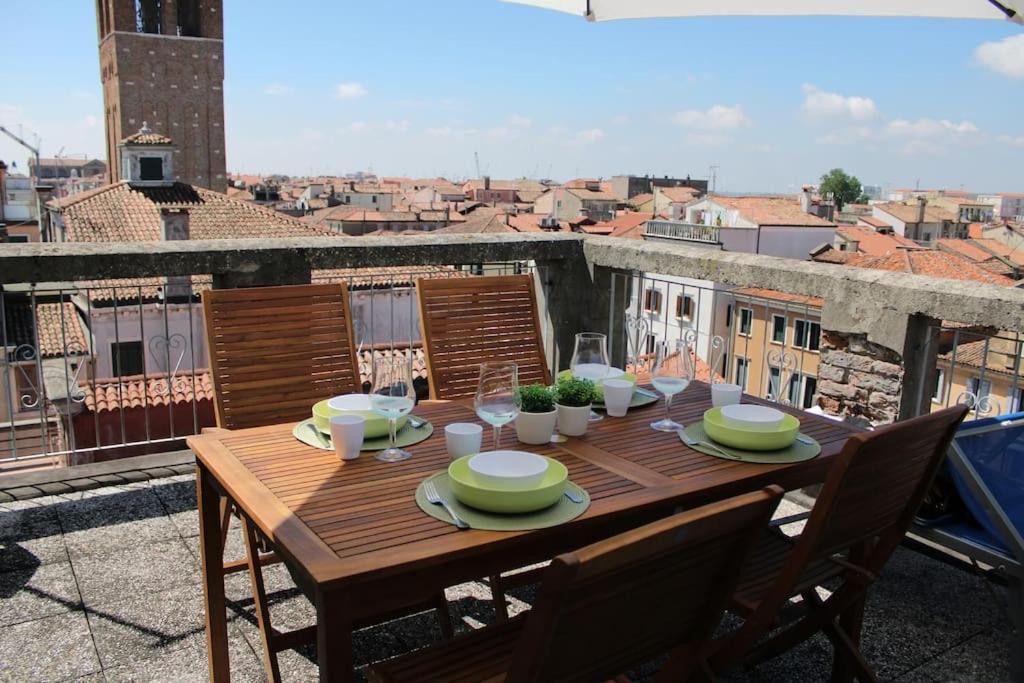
(323, 440)
(572, 495)
(645, 392)
(690, 441)
(436, 499)
(417, 422)
(805, 439)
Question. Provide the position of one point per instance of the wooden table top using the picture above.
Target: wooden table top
(352, 521)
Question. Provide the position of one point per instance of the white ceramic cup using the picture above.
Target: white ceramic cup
(463, 438)
(725, 394)
(347, 435)
(618, 393)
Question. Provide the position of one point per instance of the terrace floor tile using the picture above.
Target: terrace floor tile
(141, 569)
(32, 593)
(50, 649)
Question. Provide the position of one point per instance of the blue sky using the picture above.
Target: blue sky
(415, 88)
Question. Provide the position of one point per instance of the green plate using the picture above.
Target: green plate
(376, 426)
(600, 390)
(797, 451)
(466, 489)
(638, 401)
(407, 436)
(750, 439)
(562, 511)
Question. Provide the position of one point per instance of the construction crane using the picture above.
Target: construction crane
(476, 158)
(35, 184)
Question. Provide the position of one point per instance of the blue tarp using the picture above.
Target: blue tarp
(998, 457)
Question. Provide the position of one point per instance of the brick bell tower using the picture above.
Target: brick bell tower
(162, 61)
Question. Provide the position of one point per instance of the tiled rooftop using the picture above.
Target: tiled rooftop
(104, 585)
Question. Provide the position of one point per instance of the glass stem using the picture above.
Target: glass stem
(393, 431)
(668, 407)
(497, 436)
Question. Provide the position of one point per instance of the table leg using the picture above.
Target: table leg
(211, 553)
(333, 637)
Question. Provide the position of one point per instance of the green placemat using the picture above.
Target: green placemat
(407, 436)
(563, 511)
(795, 452)
(639, 400)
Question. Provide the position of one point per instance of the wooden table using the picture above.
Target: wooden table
(358, 544)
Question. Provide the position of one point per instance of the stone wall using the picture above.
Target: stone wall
(859, 380)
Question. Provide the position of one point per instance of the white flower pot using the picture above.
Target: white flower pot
(536, 428)
(573, 421)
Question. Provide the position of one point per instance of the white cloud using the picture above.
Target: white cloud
(440, 132)
(1014, 140)
(718, 117)
(589, 135)
(397, 126)
(277, 89)
(929, 128)
(517, 121)
(820, 103)
(349, 91)
(1005, 56)
(356, 126)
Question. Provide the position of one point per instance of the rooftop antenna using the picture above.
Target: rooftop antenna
(713, 172)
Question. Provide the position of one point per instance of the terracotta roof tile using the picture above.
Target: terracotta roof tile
(680, 194)
(874, 222)
(875, 243)
(908, 212)
(771, 211)
(122, 213)
(61, 331)
(929, 262)
(136, 391)
(775, 295)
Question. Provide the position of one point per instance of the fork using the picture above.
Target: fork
(416, 422)
(435, 498)
(690, 441)
(573, 496)
(324, 441)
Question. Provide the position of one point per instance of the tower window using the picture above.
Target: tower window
(188, 18)
(151, 168)
(147, 16)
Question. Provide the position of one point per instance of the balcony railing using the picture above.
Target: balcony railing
(105, 348)
(686, 232)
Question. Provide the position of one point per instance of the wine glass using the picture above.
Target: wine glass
(392, 396)
(673, 371)
(497, 396)
(590, 360)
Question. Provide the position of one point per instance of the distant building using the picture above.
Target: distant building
(628, 186)
(490, 191)
(920, 220)
(376, 197)
(572, 203)
(67, 168)
(163, 63)
(671, 202)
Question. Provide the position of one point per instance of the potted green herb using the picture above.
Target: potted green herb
(537, 414)
(573, 397)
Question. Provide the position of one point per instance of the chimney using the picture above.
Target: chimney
(487, 182)
(805, 199)
(921, 203)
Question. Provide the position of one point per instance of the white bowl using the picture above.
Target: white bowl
(747, 416)
(350, 402)
(508, 470)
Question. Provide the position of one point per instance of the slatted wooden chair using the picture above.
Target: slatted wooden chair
(865, 507)
(274, 352)
(611, 606)
(468, 321)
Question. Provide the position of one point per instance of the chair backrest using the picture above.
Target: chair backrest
(623, 601)
(876, 484)
(275, 351)
(467, 321)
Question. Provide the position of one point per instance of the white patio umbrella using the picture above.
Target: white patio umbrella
(607, 10)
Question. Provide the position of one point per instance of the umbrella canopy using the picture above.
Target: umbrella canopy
(607, 10)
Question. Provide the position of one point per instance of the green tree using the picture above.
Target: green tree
(841, 187)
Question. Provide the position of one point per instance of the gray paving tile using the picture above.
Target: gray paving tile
(50, 649)
(187, 664)
(276, 580)
(140, 625)
(176, 495)
(116, 536)
(37, 592)
(109, 507)
(145, 568)
(15, 521)
(32, 545)
(186, 522)
(981, 659)
(233, 550)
